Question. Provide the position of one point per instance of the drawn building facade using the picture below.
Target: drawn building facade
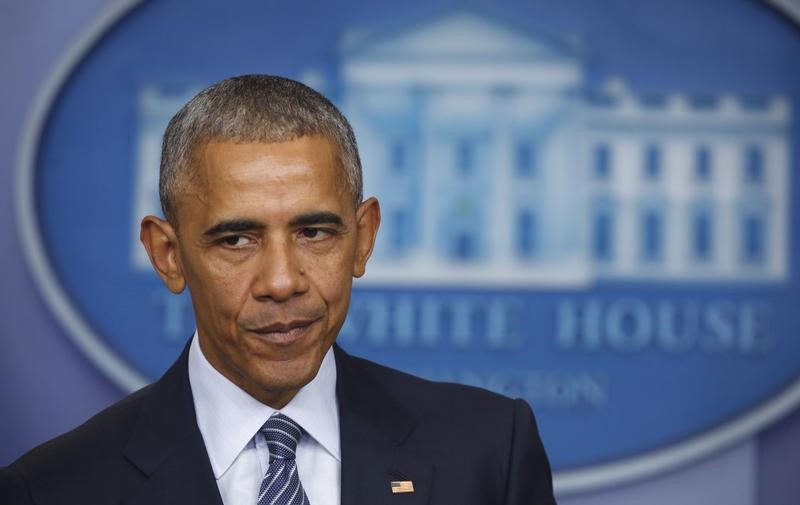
(495, 165)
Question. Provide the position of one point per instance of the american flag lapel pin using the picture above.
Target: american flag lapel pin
(402, 486)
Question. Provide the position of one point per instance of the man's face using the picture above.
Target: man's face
(268, 241)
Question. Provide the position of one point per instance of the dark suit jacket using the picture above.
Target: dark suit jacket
(459, 445)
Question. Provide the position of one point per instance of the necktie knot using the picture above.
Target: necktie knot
(282, 435)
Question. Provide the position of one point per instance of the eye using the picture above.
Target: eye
(313, 233)
(235, 241)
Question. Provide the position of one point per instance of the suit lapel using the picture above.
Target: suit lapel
(374, 427)
(166, 445)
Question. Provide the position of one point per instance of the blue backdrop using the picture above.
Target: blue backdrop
(586, 141)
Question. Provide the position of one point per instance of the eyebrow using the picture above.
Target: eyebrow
(233, 225)
(312, 218)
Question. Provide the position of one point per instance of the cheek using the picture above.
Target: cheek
(223, 290)
(333, 279)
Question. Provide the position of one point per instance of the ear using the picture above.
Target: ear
(368, 219)
(161, 242)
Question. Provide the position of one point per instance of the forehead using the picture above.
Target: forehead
(217, 158)
(228, 175)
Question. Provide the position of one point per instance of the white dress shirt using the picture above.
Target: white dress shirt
(229, 420)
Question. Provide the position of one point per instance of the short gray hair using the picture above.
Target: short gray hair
(252, 108)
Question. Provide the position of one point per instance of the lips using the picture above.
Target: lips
(284, 333)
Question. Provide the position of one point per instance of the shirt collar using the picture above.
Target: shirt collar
(228, 417)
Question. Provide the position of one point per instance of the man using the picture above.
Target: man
(266, 226)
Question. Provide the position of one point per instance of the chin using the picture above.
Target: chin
(288, 375)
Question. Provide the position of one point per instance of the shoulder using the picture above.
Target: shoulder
(96, 444)
(445, 402)
(489, 443)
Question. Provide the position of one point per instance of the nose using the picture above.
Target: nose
(280, 275)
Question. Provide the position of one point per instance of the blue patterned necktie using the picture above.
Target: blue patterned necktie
(281, 484)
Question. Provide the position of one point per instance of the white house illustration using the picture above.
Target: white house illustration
(496, 165)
